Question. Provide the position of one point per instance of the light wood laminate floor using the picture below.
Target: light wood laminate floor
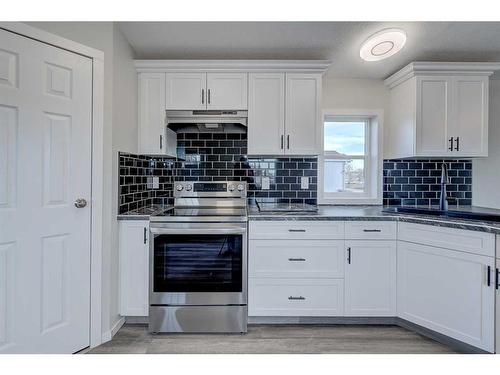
(276, 339)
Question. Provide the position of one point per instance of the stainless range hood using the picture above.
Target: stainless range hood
(207, 121)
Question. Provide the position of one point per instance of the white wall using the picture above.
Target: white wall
(356, 94)
(120, 133)
(486, 172)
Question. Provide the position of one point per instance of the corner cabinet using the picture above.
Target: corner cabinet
(284, 113)
(134, 267)
(439, 110)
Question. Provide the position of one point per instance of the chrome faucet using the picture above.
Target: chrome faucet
(443, 202)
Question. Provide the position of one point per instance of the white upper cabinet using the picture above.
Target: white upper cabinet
(284, 114)
(266, 113)
(186, 91)
(471, 107)
(438, 110)
(302, 114)
(227, 91)
(199, 91)
(151, 113)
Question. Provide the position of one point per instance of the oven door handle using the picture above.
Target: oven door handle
(159, 231)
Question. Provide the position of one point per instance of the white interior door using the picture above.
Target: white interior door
(45, 165)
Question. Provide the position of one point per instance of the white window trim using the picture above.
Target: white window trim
(373, 169)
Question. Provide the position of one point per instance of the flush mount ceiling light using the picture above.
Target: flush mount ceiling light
(383, 44)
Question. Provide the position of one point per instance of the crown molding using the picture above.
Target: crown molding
(441, 68)
(310, 66)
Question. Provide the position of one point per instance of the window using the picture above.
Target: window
(349, 168)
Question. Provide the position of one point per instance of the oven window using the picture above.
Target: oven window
(198, 263)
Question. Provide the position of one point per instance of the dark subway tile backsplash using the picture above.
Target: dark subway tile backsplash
(215, 157)
(417, 182)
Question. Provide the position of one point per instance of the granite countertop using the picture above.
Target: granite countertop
(349, 213)
(144, 213)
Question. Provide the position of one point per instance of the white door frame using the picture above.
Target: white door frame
(97, 160)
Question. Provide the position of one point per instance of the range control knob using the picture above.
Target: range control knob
(189, 187)
(179, 187)
(240, 187)
(231, 187)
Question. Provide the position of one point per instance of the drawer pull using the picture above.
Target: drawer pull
(372, 230)
(296, 230)
(299, 298)
(296, 259)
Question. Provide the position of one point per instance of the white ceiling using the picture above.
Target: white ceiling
(336, 41)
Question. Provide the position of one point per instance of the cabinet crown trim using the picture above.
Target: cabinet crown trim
(310, 66)
(441, 68)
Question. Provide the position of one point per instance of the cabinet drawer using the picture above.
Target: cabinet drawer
(293, 229)
(370, 230)
(296, 259)
(295, 297)
(470, 241)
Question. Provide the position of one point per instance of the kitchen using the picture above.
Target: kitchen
(234, 204)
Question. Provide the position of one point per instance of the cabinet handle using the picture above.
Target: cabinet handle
(299, 298)
(202, 96)
(296, 230)
(282, 141)
(145, 238)
(288, 141)
(296, 259)
(208, 96)
(349, 255)
(489, 275)
(451, 144)
(457, 147)
(372, 230)
(496, 278)
(161, 141)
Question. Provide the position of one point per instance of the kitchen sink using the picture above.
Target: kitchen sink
(483, 216)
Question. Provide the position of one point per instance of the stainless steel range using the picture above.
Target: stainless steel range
(198, 260)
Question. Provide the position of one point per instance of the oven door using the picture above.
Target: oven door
(198, 264)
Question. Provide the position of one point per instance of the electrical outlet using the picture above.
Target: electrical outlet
(149, 183)
(265, 183)
(156, 182)
(304, 182)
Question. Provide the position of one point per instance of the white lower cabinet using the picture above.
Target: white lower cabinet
(370, 278)
(295, 297)
(447, 291)
(134, 267)
(296, 259)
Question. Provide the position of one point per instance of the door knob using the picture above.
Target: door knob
(80, 203)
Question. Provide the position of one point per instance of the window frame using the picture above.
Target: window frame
(372, 157)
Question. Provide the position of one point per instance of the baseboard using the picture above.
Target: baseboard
(108, 335)
(448, 341)
(320, 320)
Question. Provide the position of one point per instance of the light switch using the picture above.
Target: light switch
(156, 182)
(304, 182)
(265, 183)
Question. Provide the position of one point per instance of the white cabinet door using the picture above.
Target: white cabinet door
(497, 297)
(151, 113)
(227, 91)
(433, 115)
(447, 291)
(134, 267)
(186, 91)
(470, 121)
(302, 114)
(370, 278)
(296, 258)
(266, 113)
